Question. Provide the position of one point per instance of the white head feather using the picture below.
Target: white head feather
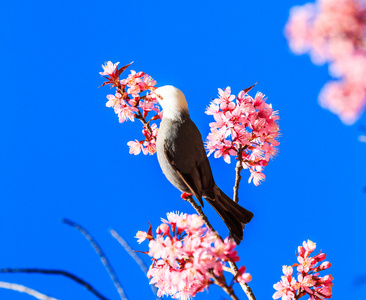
(172, 100)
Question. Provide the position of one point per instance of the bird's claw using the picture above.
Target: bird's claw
(185, 196)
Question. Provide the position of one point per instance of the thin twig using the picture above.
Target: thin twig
(248, 291)
(56, 272)
(24, 289)
(102, 256)
(239, 167)
(228, 290)
(133, 254)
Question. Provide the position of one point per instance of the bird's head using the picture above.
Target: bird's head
(172, 100)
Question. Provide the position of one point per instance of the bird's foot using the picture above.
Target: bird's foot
(185, 196)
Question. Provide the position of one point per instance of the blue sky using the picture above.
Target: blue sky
(64, 154)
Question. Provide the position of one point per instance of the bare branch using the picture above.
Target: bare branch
(229, 270)
(24, 289)
(57, 272)
(102, 256)
(248, 291)
(137, 259)
(238, 168)
(202, 215)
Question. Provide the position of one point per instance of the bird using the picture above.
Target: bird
(182, 157)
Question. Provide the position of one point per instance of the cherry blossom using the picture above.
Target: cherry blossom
(129, 104)
(187, 257)
(109, 68)
(308, 280)
(246, 129)
(334, 32)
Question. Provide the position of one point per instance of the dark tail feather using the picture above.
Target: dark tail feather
(231, 213)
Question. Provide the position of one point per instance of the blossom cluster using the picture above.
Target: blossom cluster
(129, 103)
(246, 129)
(334, 31)
(308, 280)
(187, 257)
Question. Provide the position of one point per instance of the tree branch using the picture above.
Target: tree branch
(24, 289)
(102, 256)
(57, 272)
(137, 259)
(247, 290)
(228, 290)
(238, 168)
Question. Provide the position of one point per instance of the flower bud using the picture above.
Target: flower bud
(242, 270)
(164, 229)
(325, 265)
(320, 256)
(287, 270)
(246, 277)
(301, 250)
(327, 279)
(263, 163)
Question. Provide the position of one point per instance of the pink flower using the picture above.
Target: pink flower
(141, 236)
(135, 147)
(131, 104)
(146, 83)
(304, 264)
(256, 176)
(185, 256)
(150, 134)
(112, 101)
(334, 32)
(249, 124)
(286, 288)
(287, 270)
(109, 68)
(309, 282)
(163, 229)
(125, 112)
(345, 99)
(309, 246)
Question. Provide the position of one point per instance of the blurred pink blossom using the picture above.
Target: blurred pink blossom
(308, 279)
(334, 32)
(186, 256)
(248, 126)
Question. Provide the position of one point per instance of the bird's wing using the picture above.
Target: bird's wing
(186, 177)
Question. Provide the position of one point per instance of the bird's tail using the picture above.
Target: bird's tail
(234, 216)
